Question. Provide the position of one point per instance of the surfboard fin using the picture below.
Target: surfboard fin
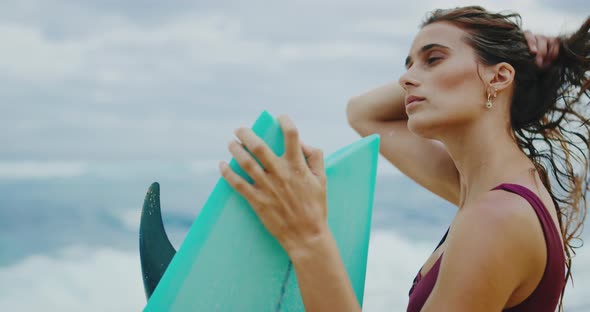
(155, 249)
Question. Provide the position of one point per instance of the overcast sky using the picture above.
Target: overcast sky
(110, 81)
(97, 86)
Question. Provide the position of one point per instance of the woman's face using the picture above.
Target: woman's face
(442, 69)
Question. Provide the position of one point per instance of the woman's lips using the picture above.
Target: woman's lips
(413, 98)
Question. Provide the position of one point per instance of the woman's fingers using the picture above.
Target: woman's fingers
(237, 182)
(256, 198)
(292, 145)
(546, 49)
(532, 41)
(315, 160)
(553, 50)
(248, 163)
(542, 44)
(266, 156)
(258, 148)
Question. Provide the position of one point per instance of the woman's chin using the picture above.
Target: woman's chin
(421, 126)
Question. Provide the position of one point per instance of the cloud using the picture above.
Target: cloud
(79, 278)
(44, 170)
(389, 274)
(188, 47)
(28, 56)
(100, 279)
(571, 6)
(162, 81)
(130, 52)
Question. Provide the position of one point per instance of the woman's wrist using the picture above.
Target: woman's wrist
(319, 243)
(323, 280)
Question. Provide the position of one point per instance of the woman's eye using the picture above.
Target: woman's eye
(432, 59)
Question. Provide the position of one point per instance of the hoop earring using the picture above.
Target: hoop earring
(489, 102)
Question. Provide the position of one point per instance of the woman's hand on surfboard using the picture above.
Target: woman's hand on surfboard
(545, 48)
(288, 194)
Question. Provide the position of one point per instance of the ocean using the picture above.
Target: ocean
(69, 240)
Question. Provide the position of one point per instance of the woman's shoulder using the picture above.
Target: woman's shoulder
(508, 212)
(514, 224)
(488, 253)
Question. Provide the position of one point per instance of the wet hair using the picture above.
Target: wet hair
(546, 104)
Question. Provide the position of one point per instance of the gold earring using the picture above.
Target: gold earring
(489, 102)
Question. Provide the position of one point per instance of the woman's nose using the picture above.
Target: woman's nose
(406, 81)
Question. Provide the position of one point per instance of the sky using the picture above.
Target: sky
(99, 98)
(89, 82)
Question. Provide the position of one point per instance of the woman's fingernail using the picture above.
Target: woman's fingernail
(539, 61)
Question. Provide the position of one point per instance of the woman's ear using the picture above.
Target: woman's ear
(502, 76)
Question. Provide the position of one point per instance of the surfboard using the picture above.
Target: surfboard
(228, 261)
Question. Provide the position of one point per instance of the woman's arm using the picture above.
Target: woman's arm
(322, 278)
(384, 103)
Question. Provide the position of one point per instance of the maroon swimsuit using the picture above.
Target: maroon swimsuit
(545, 297)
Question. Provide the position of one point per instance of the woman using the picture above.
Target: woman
(481, 90)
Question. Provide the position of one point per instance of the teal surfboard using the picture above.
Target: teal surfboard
(230, 262)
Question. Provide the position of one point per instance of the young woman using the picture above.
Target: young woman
(461, 121)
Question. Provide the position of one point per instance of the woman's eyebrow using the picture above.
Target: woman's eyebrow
(424, 49)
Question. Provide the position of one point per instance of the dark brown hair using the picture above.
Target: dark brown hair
(545, 103)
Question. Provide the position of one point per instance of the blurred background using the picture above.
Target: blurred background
(98, 99)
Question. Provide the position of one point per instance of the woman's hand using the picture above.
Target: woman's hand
(288, 194)
(545, 48)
